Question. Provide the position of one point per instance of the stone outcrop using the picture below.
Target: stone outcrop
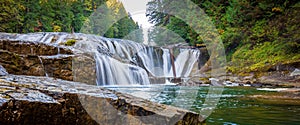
(84, 71)
(40, 100)
(2, 71)
(36, 58)
(32, 48)
(21, 64)
(58, 67)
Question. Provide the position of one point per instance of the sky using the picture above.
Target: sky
(137, 8)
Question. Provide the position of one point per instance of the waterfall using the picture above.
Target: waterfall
(152, 61)
(41, 61)
(122, 62)
(113, 61)
(112, 72)
(167, 63)
(185, 62)
(160, 65)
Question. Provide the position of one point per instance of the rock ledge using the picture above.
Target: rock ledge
(40, 100)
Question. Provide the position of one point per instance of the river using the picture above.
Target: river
(234, 108)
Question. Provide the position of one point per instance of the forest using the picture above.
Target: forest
(256, 34)
(26, 16)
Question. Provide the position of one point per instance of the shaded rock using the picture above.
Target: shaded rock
(21, 64)
(35, 58)
(203, 58)
(40, 100)
(58, 66)
(157, 80)
(286, 67)
(279, 78)
(256, 85)
(83, 68)
(296, 72)
(32, 48)
(2, 71)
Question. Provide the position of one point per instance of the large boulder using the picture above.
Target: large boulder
(40, 100)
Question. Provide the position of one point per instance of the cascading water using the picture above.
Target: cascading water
(185, 61)
(167, 63)
(152, 61)
(116, 60)
(41, 61)
(160, 65)
(113, 72)
(113, 61)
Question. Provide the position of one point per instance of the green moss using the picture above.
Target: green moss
(260, 57)
(70, 42)
(56, 28)
(244, 74)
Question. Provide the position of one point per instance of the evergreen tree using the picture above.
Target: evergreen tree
(101, 17)
(10, 17)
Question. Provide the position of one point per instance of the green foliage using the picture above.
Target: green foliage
(256, 34)
(261, 57)
(70, 42)
(258, 31)
(171, 25)
(10, 16)
(164, 37)
(56, 29)
(24, 16)
(112, 12)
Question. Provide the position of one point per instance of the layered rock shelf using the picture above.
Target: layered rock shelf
(36, 59)
(41, 100)
(40, 59)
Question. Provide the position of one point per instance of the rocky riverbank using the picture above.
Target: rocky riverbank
(281, 75)
(41, 100)
(41, 97)
(255, 79)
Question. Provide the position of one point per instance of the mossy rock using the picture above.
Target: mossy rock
(70, 42)
(205, 80)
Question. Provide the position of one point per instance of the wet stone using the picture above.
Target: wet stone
(41, 100)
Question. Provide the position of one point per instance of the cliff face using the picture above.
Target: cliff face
(28, 58)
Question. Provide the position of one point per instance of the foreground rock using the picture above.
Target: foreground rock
(2, 71)
(39, 100)
(281, 75)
